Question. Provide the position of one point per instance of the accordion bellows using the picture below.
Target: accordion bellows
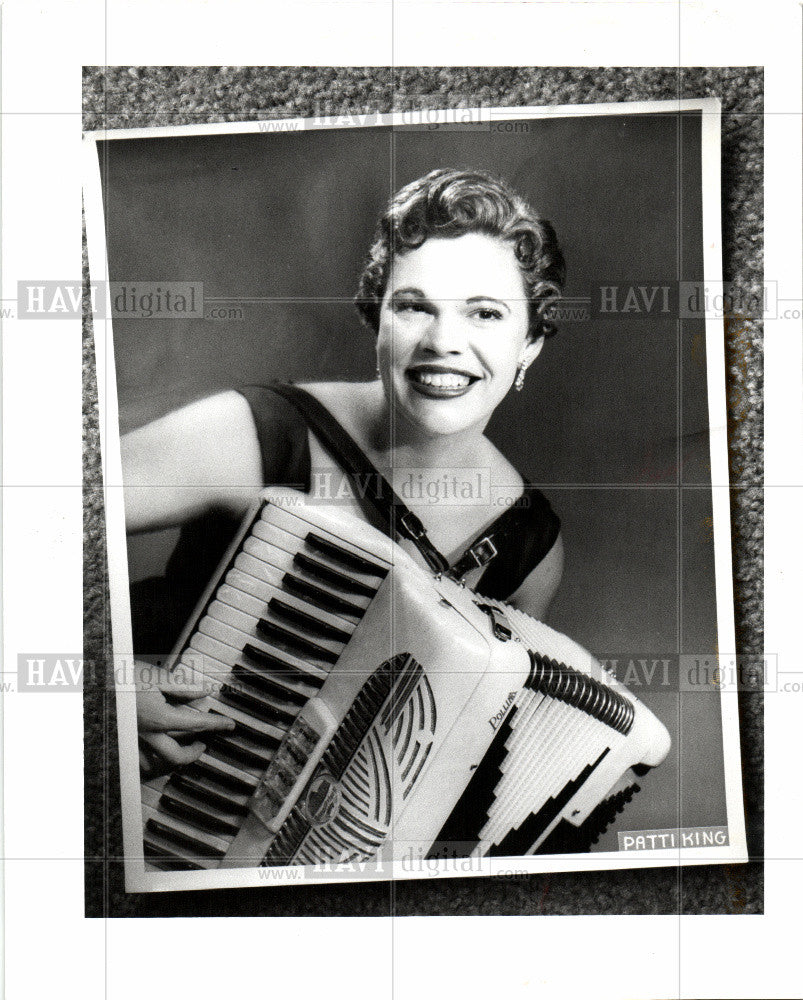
(380, 710)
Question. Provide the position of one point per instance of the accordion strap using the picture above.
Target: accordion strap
(395, 515)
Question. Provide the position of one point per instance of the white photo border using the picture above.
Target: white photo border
(139, 880)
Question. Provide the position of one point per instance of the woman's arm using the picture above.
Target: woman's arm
(538, 589)
(202, 456)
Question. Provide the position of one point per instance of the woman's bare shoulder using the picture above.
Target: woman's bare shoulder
(339, 396)
(355, 405)
(225, 412)
(202, 455)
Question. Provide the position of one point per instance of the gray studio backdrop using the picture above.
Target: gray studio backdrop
(612, 421)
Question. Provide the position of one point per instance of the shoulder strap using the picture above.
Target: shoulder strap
(500, 533)
(395, 515)
(524, 534)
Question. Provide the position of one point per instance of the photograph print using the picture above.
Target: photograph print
(416, 491)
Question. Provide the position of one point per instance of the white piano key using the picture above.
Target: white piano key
(211, 671)
(230, 769)
(247, 629)
(230, 594)
(254, 607)
(212, 703)
(157, 784)
(291, 523)
(237, 640)
(271, 564)
(182, 852)
(204, 645)
(212, 812)
(252, 585)
(292, 686)
(261, 570)
(267, 533)
(213, 841)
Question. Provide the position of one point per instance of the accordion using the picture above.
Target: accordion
(379, 709)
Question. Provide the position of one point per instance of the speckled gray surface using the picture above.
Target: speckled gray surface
(116, 97)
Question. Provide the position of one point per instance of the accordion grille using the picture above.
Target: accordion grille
(377, 756)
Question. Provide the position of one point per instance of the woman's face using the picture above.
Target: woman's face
(452, 332)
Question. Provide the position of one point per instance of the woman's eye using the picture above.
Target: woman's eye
(409, 307)
(488, 314)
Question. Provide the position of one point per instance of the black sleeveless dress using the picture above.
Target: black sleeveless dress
(161, 606)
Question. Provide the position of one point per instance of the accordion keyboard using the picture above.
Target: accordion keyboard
(283, 612)
(378, 707)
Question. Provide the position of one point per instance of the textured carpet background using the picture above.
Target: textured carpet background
(116, 97)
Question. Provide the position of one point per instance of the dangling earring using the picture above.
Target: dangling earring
(521, 371)
(378, 372)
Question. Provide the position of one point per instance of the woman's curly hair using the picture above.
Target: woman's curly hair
(449, 203)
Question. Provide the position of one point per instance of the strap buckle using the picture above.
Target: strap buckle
(413, 528)
(417, 533)
(479, 555)
(483, 552)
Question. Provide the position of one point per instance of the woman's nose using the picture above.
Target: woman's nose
(445, 334)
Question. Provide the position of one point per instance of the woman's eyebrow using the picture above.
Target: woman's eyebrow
(488, 298)
(409, 290)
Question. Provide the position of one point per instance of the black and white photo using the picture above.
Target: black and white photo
(493, 337)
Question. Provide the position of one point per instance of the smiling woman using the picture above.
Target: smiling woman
(454, 325)
(459, 288)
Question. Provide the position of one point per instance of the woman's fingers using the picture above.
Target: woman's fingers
(187, 720)
(180, 682)
(183, 682)
(166, 748)
(156, 715)
(191, 720)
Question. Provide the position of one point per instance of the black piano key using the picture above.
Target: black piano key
(197, 816)
(341, 582)
(162, 858)
(228, 754)
(269, 685)
(307, 623)
(319, 597)
(338, 554)
(183, 840)
(243, 731)
(250, 756)
(258, 708)
(201, 770)
(205, 792)
(279, 667)
(294, 643)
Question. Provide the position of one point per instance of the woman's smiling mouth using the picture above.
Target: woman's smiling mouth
(439, 383)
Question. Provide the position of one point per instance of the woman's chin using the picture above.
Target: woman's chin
(440, 414)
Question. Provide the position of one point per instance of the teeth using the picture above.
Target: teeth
(443, 380)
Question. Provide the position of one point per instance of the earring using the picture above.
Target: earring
(521, 371)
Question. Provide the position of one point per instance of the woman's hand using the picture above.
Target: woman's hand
(160, 722)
